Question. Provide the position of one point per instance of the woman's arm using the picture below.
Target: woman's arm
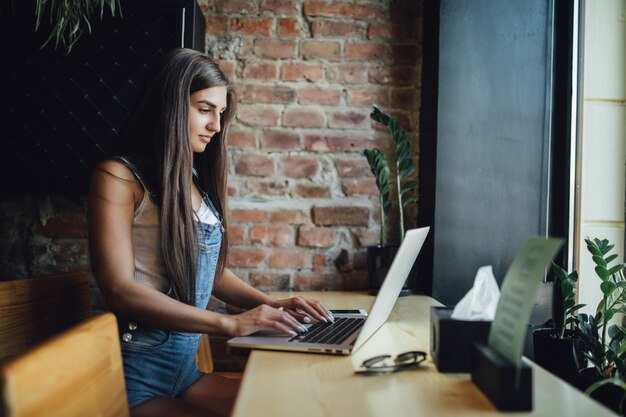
(113, 196)
(233, 290)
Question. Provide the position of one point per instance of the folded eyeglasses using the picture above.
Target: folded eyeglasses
(403, 361)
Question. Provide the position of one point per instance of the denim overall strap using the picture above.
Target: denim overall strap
(160, 362)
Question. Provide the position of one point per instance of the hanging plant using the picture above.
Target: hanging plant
(70, 18)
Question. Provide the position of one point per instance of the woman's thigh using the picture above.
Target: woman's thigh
(168, 407)
(213, 393)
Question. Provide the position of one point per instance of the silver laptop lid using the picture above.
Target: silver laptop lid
(392, 285)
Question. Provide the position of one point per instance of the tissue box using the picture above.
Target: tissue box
(451, 340)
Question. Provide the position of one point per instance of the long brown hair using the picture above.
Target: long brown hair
(158, 137)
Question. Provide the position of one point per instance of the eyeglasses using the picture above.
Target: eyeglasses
(404, 361)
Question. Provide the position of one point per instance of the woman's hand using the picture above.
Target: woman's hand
(302, 308)
(261, 318)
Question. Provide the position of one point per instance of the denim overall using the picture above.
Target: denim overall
(160, 362)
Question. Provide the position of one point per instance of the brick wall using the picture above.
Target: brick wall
(303, 201)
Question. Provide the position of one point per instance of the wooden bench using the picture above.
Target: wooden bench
(76, 373)
(34, 309)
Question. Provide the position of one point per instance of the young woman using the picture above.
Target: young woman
(159, 242)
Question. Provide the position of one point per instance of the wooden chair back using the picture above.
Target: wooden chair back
(33, 309)
(76, 373)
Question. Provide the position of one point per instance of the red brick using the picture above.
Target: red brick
(241, 139)
(355, 281)
(288, 27)
(352, 167)
(299, 167)
(246, 258)
(348, 73)
(70, 227)
(335, 29)
(362, 186)
(257, 115)
(247, 215)
(343, 143)
(366, 96)
(236, 235)
(252, 26)
(316, 237)
(274, 48)
(277, 140)
(257, 94)
(349, 119)
(289, 216)
(303, 117)
(388, 31)
(298, 71)
(236, 6)
(343, 10)
(311, 282)
(265, 281)
(311, 191)
(254, 165)
(228, 67)
(319, 262)
(264, 188)
(341, 215)
(282, 236)
(259, 71)
(290, 258)
(233, 189)
(399, 76)
(367, 237)
(405, 98)
(319, 95)
(280, 7)
(313, 50)
(367, 52)
(216, 25)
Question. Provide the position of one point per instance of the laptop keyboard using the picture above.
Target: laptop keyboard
(330, 333)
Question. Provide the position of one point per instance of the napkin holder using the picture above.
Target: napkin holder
(451, 340)
(497, 378)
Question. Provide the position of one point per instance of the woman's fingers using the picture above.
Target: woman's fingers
(313, 308)
(266, 317)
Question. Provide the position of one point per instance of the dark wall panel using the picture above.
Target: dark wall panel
(63, 112)
(492, 153)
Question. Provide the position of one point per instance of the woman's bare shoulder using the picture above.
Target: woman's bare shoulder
(116, 168)
(115, 181)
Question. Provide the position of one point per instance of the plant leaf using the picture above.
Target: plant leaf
(599, 260)
(602, 272)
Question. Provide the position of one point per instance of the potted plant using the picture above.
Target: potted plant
(557, 348)
(603, 339)
(379, 257)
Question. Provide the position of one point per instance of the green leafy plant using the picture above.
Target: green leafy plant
(380, 168)
(604, 341)
(405, 182)
(70, 18)
(566, 283)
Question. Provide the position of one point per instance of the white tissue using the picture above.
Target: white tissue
(481, 300)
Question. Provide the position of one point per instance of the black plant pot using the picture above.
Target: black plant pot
(562, 357)
(379, 259)
(608, 394)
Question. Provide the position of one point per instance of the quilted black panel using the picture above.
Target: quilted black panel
(62, 113)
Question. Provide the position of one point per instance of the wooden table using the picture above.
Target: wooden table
(307, 384)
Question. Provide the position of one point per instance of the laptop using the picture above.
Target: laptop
(351, 329)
